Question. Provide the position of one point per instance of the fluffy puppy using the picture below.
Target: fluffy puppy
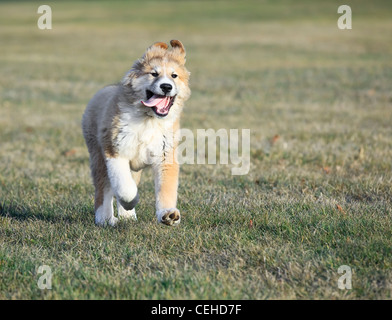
(136, 124)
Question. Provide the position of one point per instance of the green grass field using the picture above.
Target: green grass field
(317, 100)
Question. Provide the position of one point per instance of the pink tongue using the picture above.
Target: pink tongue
(160, 102)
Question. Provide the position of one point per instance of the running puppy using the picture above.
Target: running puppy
(135, 124)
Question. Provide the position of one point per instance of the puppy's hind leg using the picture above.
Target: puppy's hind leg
(103, 192)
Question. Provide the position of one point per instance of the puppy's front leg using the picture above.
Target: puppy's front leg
(166, 183)
(123, 185)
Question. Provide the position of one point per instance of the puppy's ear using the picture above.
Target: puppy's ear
(176, 44)
(159, 45)
(158, 48)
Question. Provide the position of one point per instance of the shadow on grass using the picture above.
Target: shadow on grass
(53, 213)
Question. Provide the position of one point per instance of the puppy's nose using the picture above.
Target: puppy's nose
(166, 87)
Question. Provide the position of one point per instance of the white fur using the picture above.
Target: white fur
(126, 214)
(121, 179)
(141, 141)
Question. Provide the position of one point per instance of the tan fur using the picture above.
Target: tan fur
(136, 175)
(117, 126)
(167, 195)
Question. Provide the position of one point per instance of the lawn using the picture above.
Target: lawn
(317, 101)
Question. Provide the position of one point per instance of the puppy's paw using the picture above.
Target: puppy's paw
(169, 217)
(127, 214)
(102, 222)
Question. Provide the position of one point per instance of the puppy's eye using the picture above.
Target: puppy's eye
(155, 74)
(174, 75)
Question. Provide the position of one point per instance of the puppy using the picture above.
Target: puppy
(136, 124)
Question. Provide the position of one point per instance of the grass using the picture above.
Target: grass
(317, 100)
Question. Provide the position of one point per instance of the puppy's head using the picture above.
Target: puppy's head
(159, 79)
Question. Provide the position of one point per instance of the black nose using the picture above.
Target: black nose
(166, 87)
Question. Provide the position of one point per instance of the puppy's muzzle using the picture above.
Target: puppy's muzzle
(166, 87)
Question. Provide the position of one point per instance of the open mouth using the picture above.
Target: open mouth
(159, 103)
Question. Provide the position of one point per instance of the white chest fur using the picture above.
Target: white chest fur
(143, 140)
